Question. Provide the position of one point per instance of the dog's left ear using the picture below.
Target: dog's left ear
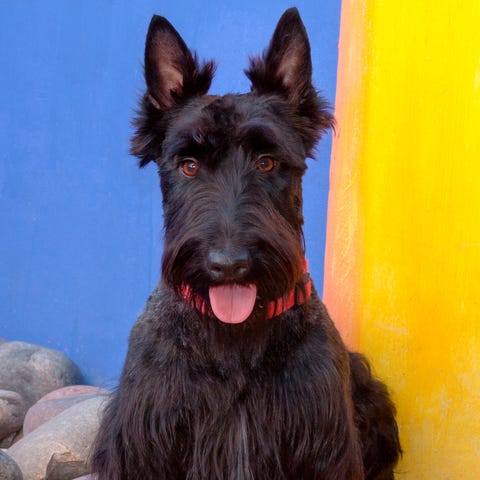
(285, 68)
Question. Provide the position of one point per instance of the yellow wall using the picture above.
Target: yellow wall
(402, 277)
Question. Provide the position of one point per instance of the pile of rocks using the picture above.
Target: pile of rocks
(48, 418)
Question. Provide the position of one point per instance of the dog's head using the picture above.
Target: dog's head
(231, 166)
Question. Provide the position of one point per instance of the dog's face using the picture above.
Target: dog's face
(231, 166)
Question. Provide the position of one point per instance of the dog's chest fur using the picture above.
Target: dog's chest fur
(245, 405)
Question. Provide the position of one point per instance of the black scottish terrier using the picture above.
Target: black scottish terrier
(234, 369)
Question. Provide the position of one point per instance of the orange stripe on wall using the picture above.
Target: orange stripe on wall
(343, 255)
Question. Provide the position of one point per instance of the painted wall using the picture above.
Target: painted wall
(402, 276)
(80, 226)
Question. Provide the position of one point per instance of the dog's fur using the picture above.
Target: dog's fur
(269, 398)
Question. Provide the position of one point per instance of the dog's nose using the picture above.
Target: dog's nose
(225, 265)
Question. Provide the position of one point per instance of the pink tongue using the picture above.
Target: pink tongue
(233, 303)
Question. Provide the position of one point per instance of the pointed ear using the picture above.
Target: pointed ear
(173, 75)
(172, 72)
(285, 68)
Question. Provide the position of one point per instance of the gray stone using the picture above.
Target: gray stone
(33, 371)
(44, 410)
(12, 413)
(72, 391)
(63, 441)
(63, 466)
(8, 441)
(9, 470)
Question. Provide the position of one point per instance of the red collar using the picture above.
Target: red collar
(297, 296)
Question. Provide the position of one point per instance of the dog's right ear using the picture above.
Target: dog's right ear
(173, 75)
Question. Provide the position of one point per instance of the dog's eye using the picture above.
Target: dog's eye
(189, 167)
(266, 163)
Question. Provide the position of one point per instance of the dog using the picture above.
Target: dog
(234, 369)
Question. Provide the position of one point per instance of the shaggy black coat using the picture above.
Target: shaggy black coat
(270, 398)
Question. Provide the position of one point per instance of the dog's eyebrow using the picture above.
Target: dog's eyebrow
(189, 140)
(258, 136)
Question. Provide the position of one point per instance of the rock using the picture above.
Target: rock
(73, 391)
(60, 447)
(12, 413)
(17, 437)
(86, 477)
(53, 403)
(9, 470)
(8, 441)
(33, 371)
(65, 465)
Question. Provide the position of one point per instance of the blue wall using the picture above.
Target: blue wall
(80, 226)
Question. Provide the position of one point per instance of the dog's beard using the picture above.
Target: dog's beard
(276, 267)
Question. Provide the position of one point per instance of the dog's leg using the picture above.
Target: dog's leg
(142, 435)
(132, 441)
(375, 420)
